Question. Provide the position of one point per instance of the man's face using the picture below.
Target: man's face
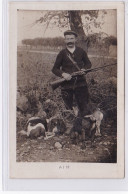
(70, 40)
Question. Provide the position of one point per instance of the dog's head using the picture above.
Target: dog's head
(57, 125)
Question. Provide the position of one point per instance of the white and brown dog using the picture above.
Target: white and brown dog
(37, 127)
(96, 119)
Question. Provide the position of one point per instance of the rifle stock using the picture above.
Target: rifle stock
(57, 83)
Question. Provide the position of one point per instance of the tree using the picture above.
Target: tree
(79, 21)
(53, 42)
(27, 42)
(110, 40)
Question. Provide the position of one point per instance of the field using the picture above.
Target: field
(33, 90)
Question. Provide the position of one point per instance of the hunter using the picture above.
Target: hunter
(69, 60)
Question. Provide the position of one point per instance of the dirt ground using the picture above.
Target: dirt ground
(39, 150)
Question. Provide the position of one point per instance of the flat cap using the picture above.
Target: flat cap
(69, 32)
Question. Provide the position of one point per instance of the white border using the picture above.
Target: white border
(1, 95)
(54, 184)
(51, 169)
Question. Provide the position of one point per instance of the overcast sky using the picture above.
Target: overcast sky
(26, 29)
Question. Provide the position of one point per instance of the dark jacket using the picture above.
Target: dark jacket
(64, 65)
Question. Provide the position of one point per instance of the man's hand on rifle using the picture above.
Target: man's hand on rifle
(66, 76)
(82, 72)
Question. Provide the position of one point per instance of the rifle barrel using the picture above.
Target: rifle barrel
(91, 69)
(101, 67)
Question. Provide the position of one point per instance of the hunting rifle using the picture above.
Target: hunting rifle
(57, 83)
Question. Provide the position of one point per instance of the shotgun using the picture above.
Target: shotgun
(57, 83)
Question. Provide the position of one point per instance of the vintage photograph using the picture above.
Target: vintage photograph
(66, 86)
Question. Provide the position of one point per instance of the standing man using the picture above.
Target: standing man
(68, 61)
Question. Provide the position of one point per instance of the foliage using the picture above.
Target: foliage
(110, 40)
(80, 21)
(74, 19)
(94, 40)
(34, 75)
(52, 42)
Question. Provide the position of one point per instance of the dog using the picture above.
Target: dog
(56, 125)
(95, 119)
(36, 127)
(35, 131)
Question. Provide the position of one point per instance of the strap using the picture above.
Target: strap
(75, 64)
(73, 61)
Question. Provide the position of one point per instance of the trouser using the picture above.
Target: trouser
(81, 96)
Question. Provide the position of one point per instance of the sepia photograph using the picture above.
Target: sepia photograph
(67, 86)
(67, 90)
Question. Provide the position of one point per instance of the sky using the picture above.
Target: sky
(27, 29)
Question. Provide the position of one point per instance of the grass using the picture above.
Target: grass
(34, 75)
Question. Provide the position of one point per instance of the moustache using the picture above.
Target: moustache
(70, 43)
